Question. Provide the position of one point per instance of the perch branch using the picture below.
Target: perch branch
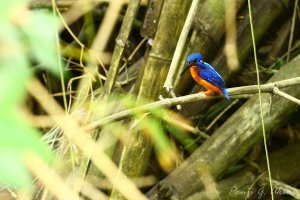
(169, 102)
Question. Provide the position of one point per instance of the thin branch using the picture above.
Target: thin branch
(169, 102)
(285, 95)
(168, 85)
(282, 188)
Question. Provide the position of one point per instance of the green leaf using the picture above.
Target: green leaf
(12, 171)
(14, 69)
(185, 139)
(20, 137)
(9, 8)
(17, 138)
(13, 88)
(41, 36)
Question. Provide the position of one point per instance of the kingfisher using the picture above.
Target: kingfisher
(204, 74)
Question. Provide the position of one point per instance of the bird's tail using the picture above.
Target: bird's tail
(225, 93)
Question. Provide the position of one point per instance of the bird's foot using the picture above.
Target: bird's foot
(208, 92)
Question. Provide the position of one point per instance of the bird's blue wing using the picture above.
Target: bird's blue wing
(208, 73)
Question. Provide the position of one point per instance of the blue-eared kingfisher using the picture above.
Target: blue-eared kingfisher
(204, 74)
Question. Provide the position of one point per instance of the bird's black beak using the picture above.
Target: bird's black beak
(185, 68)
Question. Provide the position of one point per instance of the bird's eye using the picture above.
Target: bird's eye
(193, 63)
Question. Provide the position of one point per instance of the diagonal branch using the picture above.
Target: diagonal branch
(169, 102)
(284, 188)
(168, 85)
(285, 95)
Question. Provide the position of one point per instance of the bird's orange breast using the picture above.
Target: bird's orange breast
(204, 83)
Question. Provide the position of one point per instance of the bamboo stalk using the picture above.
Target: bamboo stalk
(121, 41)
(136, 153)
(151, 18)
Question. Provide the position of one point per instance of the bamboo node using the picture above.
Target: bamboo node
(120, 43)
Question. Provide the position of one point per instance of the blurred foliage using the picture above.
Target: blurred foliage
(25, 37)
(150, 123)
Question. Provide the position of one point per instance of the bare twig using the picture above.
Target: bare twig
(285, 95)
(282, 188)
(168, 85)
(169, 102)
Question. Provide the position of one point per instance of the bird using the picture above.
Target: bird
(204, 74)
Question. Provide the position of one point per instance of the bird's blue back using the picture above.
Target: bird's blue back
(208, 73)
